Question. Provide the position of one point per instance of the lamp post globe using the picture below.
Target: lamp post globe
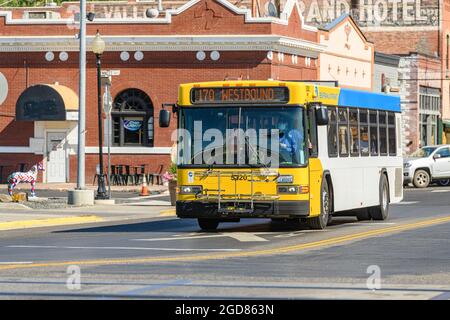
(98, 44)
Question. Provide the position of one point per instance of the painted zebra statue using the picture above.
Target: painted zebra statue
(30, 177)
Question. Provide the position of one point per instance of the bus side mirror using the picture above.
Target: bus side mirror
(321, 115)
(164, 118)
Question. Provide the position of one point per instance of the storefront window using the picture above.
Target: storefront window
(429, 111)
(133, 120)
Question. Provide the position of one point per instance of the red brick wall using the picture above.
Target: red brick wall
(158, 74)
(152, 163)
(404, 42)
(10, 163)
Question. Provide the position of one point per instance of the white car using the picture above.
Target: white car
(426, 165)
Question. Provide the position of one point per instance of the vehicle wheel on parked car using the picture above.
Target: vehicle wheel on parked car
(444, 182)
(381, 212)
(421, 178)
(208, 224)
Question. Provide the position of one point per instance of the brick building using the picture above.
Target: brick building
(200, 40)
(419, 32)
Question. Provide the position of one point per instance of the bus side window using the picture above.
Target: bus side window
(383, 132)
(312, 143)
(373, 133)
(354, 134)
(364, 132)
(332, 132)
(343, 131)
(391, 134)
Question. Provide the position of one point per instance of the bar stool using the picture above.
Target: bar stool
(22, 167)
(127, 175)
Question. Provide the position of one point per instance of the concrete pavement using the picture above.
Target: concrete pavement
(16, 216)
(164, 257)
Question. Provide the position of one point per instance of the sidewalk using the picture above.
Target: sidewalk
(16, 216)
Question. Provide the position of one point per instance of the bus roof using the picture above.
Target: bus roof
(303, 92)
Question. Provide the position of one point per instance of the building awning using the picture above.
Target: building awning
(46, 102)
(446, 123)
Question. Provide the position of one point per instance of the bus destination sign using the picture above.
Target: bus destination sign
(228, 95)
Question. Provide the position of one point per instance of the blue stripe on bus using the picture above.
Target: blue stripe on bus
(369, 100)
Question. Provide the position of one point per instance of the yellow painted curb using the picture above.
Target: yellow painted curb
(50, 222)
(167, 213)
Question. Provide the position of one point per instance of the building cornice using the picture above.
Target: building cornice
(167, 43)
(167, 19)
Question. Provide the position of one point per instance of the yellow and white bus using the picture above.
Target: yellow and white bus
(285, 150)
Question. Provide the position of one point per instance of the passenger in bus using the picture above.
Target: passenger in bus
(373, 144)
(364, 142)
(291, 143)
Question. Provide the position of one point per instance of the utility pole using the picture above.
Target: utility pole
(81, 196)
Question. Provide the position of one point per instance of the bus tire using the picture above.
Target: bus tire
(320, 222)
(421, 178)
(381, 212)
(208, 224)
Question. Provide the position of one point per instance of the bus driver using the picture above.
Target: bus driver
(291, 143)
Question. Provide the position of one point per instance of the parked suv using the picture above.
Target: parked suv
(428, 164)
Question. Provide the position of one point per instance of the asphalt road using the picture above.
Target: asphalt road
(406, 257)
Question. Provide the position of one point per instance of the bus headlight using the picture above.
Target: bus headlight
(191, 189)
(288, 189)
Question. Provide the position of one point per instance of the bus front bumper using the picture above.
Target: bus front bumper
(261, 209)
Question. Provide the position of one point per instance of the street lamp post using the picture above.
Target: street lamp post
(98, 47)
(107, 105)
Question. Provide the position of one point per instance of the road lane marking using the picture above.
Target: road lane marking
(249, 253)
(240, 236)
(167, 213)
(115, 248)
(158, 203)
(15, 262)
(49, 222)
(406, 202)
(245, 237)
(440, 191)
(150, 197)
(152, 287)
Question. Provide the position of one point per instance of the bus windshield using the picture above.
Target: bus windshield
(272, 135)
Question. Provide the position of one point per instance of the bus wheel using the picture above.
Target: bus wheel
(208, 224)
(381, 212)
(363, 214)
(321, 221)
(421, 179)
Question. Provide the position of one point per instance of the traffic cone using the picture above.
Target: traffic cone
(144, 188)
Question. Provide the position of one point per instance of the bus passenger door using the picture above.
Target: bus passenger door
(315, 166)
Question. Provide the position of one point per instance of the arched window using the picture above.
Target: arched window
(132, 119)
